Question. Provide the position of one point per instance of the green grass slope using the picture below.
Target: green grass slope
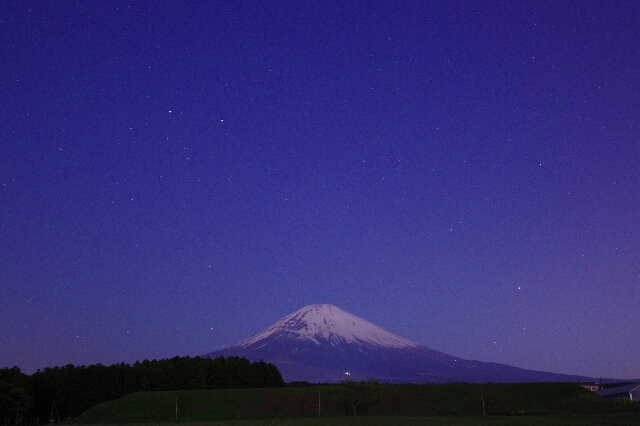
(393, 400)
(556, 420)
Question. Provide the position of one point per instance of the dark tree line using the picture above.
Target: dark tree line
(75, 389)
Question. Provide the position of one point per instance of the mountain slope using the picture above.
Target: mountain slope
(323, 343)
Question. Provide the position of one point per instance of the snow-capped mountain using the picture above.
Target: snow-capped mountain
(323, 343)
(328, 324)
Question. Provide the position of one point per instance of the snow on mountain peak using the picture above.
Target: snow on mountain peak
(328, 323)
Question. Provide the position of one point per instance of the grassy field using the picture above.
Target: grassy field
(455, 404)
(556, 420)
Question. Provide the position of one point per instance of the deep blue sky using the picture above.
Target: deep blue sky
(464, 174)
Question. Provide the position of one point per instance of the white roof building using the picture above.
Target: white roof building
(628, 391)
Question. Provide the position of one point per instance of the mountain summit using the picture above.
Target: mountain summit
(323, 343)
(326, 325)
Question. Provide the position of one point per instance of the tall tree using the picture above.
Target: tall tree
(14, 401)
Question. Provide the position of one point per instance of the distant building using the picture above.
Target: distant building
(629, 391)
(592, 386)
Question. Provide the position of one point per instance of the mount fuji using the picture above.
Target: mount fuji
(324, 344)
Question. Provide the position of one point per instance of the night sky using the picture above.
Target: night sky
(465, 174)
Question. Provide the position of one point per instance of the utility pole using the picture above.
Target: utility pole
(54, 407)
(318, 402)
(484, 413)
(176, 408)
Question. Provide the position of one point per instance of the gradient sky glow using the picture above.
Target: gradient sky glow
(463, 174)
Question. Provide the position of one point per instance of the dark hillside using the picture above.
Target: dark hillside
(393, 400)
